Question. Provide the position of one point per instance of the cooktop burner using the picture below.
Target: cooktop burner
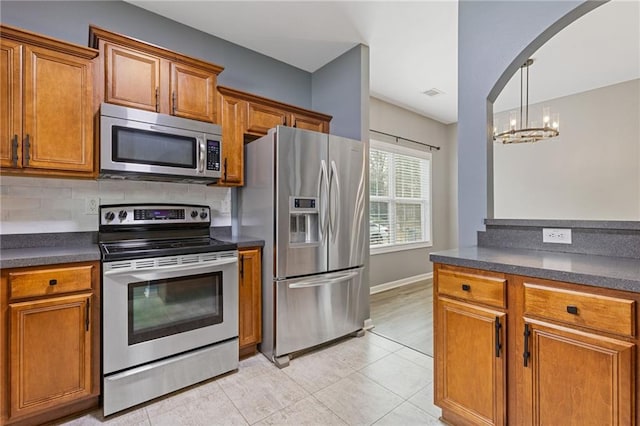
(121, 250)
(135, 231)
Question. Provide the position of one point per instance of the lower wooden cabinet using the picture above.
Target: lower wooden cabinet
(556, 354)
(250, 296)
(50, 344)
(472, 362)
(576, 376)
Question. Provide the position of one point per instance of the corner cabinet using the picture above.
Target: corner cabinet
(245, 117)
(250, 296)
(50, 344)
(140, 75)
(570, 350)
(46, 106)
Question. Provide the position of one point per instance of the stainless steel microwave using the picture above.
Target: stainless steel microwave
(136, 144)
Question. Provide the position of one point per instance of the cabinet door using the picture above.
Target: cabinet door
(49, 353)
(300, 121)
(470, 362)
(58, 118)
(250, 297)
(132, 78)
(231, 119)
(193, 93)
(261, 118)
(577, 378)
(10, 103)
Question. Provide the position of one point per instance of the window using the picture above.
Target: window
(399, 197)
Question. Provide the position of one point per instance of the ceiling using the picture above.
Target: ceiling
(413, 45)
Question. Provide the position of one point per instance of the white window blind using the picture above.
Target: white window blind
(399, 197)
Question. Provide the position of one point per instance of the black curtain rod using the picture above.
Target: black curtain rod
(405, 139)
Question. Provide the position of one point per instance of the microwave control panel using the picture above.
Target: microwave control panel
(213, 155)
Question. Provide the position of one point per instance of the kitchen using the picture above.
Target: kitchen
(220, 201)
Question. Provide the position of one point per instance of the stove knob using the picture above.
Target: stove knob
(194, 214)
(122, 214)
(203, 215)
(109, 216)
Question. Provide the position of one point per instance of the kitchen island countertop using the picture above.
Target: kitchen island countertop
(601, 271)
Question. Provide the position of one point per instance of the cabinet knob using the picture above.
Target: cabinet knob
(573, 310)
(466, 287)
(53, 282)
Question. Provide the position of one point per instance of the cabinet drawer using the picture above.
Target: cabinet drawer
(49, 281)
(471, 287)
(594, 311)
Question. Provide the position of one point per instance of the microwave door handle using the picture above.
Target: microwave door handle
(201, 144)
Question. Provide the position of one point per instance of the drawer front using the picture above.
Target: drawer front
(49, 281)
(471, 287)
(594, 311)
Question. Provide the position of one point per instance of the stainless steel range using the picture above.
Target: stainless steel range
(170, 301)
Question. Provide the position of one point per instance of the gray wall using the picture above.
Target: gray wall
(589, 174)
(494, 39)
(244, 68)
(341, 89)
(388, 118)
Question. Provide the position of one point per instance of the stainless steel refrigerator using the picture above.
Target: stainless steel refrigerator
(305, 194)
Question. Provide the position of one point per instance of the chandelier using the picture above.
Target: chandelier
(525, 132)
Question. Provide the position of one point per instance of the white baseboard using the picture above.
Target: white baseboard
(399, 283)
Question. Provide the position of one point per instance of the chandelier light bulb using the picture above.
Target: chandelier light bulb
(546, 119)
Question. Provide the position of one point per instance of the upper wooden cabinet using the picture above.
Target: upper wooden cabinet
(245, 117)
(46, 105)
(140, 75)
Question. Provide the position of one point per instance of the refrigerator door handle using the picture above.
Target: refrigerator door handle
(334, 209)
(318, 282)
(323, 183)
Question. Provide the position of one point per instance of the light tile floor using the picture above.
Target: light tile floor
(358, 381)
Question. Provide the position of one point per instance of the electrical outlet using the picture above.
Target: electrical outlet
(91, 206)
(556, 235)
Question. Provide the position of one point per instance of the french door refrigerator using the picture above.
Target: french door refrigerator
(305, 194)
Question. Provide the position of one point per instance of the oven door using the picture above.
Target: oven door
(154, 308)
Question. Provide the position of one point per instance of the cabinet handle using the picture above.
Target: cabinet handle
(157, 100)
(526, 355)
(14, 150)
(573, 310)
(498, 326)
(27, 148)
(53, 282)
(242, 266)
(466, 287)
(173, 103)
(225, 169)
(86, 319)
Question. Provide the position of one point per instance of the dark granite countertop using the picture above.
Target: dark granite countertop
(36, 256)
(243, 241)
(601, 271)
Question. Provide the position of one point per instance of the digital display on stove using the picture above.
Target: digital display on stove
(158, 214)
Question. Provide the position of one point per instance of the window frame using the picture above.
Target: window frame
(392, 199)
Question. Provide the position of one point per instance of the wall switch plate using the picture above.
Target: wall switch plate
(556, 235)
(91, 205)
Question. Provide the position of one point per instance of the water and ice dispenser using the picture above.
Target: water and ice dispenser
(303, 220)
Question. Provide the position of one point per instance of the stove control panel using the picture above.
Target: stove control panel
(145, 214)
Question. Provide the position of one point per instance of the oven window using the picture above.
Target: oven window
(161, 308)
(146, 147)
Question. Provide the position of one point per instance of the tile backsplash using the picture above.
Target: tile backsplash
(34, 205)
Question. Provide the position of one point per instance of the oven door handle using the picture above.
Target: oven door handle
(163, 271)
